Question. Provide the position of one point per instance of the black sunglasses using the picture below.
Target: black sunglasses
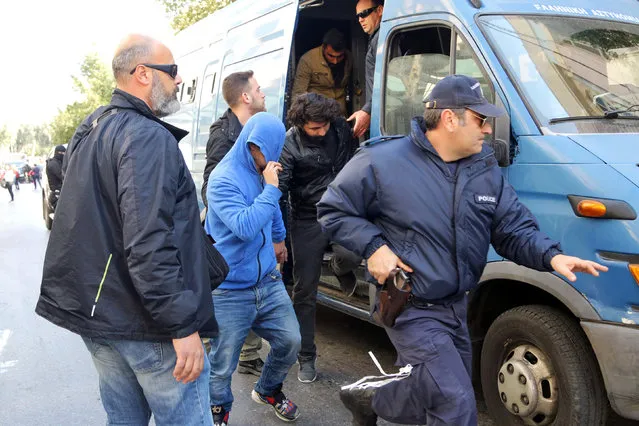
(170, 69)
(365, 13)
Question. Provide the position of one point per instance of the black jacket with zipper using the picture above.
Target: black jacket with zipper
(222, 136)
(307, 168)
(126, 255)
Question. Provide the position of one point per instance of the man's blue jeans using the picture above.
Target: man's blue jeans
(267, 309)
(136, 379)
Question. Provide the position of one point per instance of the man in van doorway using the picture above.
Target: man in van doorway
(245, 98)
(125, 266)
(246, 223)
(432, 203)
(369, 14)
(325, 69)
(318, 144)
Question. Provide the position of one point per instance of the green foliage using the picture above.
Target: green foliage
(95, 84)
(606, 40)
(5, 137)
(186, 12)
(32, 140)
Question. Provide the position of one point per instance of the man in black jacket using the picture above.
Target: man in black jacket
(369, 15)
(125, 266)
(318, 144)
(54, 174)
(245, 98)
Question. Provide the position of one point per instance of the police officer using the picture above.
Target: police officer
(431, 203)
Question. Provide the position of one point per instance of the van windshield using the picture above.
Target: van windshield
(578, 75)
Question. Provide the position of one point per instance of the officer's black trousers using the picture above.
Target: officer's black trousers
(435, 341)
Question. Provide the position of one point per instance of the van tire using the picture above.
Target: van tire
(581, 397)
(48, 222)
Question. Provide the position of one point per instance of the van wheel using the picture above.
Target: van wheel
(48, 222)
(538, 369)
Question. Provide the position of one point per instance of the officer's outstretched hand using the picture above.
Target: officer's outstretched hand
(382, 262)
(567, 265)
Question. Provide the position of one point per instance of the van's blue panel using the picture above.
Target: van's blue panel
(618, 148)
(552, 149)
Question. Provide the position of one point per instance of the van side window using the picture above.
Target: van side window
(418, 59)
(206, 109)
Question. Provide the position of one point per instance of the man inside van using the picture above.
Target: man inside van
(318, 144)
(431, 203)
(245, 221)
(325, 69)
(125, 266)
(369, 14)
(245, 98)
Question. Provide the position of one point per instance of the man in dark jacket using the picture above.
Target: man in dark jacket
(431, 204)
(125, 266)
(369, 14)
(318, 144)
(245, 221)
(245, 98)
(54, 174)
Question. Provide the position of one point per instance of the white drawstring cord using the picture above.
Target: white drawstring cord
(378, 381)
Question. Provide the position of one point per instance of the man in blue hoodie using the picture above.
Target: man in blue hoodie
(245, 220)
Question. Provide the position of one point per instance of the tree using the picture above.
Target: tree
(5, 137)
(24, 138)
(187, 12)
(96, 84)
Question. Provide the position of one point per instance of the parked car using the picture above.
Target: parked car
(49, 197)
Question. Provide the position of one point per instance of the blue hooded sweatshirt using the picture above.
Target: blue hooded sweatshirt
(244, 216)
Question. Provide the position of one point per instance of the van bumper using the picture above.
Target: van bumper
(617, 349)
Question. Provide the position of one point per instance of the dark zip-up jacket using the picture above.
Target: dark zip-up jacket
(244, 217)
(126, 254)
(54, 172)
(371, 55)
(222, 136)
(307, 168)
(401, 193)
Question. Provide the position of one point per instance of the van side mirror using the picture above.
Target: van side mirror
(501, 136)
(502, 151)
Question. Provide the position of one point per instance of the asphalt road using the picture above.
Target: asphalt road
(46, 374)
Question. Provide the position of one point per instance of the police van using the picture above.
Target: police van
(546, 351)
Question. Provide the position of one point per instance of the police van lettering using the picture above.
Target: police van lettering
(485, 199)
(585, 12)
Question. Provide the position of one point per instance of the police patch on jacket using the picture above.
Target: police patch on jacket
(485, 199)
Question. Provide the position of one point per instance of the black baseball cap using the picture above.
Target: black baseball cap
(60, 148)
(459, 92)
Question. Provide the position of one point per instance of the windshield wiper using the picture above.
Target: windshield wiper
(608, 116)
(615, 113)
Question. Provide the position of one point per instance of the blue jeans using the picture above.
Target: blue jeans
(267, 309)
(136, 379)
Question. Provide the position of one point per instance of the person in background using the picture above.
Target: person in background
(325, 70)
(8, 177)
(35, 176)
(369, 14)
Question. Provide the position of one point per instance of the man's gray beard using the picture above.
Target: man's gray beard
(163, 103)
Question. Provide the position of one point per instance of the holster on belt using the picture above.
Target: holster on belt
(393, 297)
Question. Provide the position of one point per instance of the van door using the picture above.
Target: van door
(262, 44)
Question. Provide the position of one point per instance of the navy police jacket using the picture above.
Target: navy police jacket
(401, 193)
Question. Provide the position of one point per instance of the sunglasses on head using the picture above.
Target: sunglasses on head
(365, 13)
(170, 69)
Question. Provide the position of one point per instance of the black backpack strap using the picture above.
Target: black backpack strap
(105, 114)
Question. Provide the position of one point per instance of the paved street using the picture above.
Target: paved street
(46, 375)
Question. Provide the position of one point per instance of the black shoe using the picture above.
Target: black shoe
(307, 372)
(359, 403)
(220, 415)
(284, 408)
(251, 367)
(347, 282)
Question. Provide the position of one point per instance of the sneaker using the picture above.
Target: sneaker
(220, 415)
(347, 282)
(307, 372)
(359, 403)
(251, 367)
(284, 408)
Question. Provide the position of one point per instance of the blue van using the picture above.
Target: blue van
(567, 71)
